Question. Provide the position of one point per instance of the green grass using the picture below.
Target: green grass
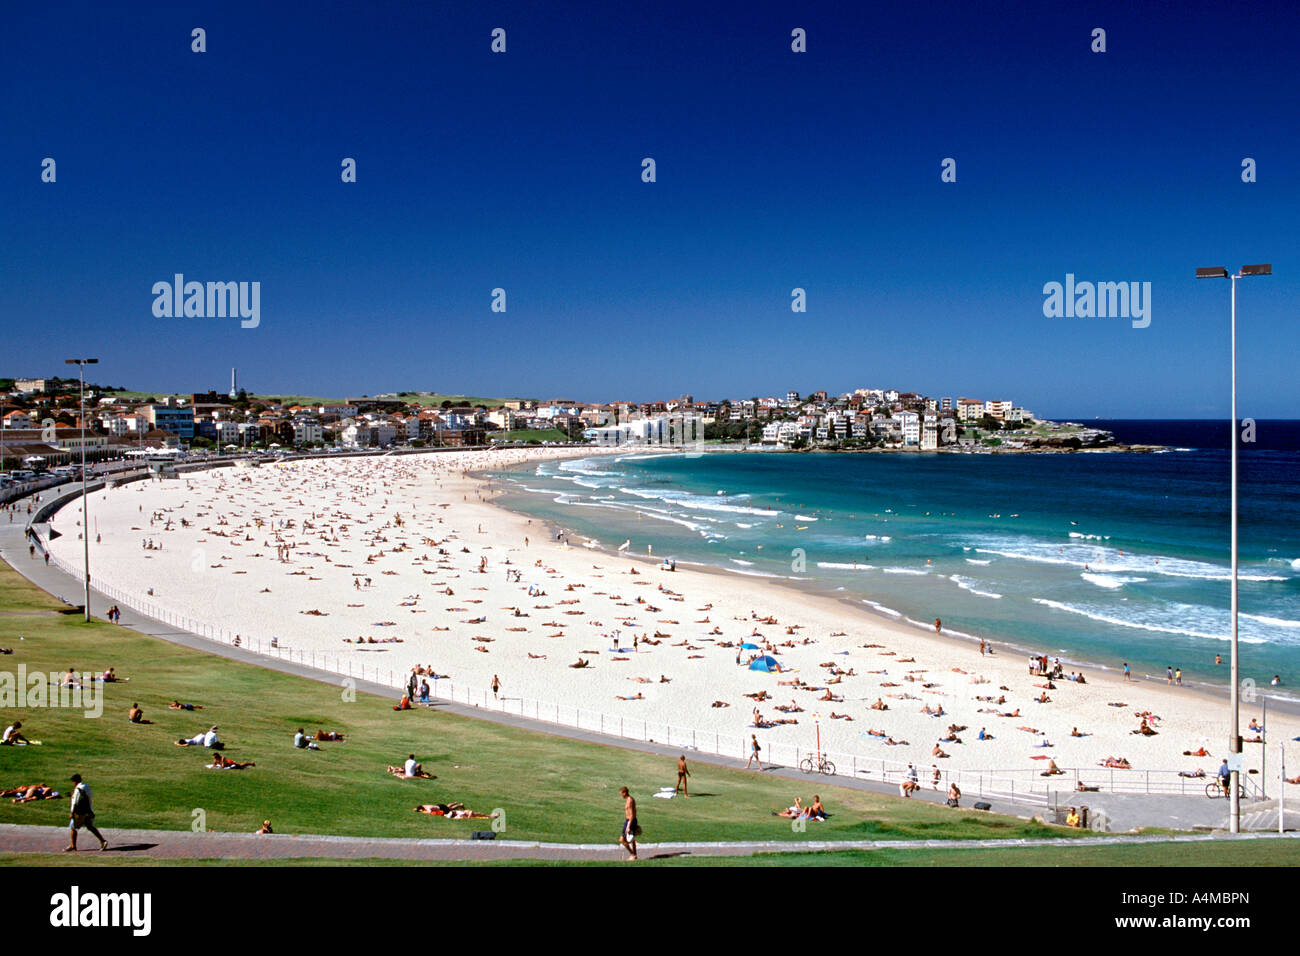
(530, 434)
(551, 788)
(1220, 853)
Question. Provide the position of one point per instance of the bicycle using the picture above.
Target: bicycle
(819, 764)
(1216, 790)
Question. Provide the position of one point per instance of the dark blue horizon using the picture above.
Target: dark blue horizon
(776, 170)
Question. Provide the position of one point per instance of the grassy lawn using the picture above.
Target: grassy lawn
(530, 434)
(551, 788)
(1219, 853)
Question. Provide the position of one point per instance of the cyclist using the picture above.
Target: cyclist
(1225, 777)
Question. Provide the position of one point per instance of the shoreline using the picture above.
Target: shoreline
(1219, 695)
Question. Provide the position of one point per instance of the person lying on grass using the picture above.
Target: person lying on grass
(793, 812)
(208, 739)
(32, 791)
(177, 705)
(453, 811)
(224, 763)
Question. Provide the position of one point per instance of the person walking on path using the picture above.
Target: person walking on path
(754, 750)
(82, 815)
(631, 829)
(682, 774)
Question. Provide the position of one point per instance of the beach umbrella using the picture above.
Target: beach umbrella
(749, 647)
(766, 664)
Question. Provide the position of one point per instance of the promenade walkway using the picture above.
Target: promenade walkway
(184, 844)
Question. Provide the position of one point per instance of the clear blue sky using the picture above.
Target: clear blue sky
(775, 170)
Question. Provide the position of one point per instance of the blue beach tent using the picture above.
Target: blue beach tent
(765, 663)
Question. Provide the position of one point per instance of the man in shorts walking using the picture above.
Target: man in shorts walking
(631, 829)
(682, 774)
(82, 815)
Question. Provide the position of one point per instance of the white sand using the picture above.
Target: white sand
(339, 520)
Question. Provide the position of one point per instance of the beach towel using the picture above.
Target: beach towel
(665, 793)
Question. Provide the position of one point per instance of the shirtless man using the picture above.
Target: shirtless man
(627, 839)
(682, 774)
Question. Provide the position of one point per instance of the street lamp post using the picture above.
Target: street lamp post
(1234, 740)
(85, 520)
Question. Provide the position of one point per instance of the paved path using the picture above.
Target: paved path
(1125, 811)
(183, 844)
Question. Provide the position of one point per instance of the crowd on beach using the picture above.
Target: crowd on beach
(407, 557)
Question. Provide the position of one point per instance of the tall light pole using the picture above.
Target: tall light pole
(1234, 740)
(85, 519)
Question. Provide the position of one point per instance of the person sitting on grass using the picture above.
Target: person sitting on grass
(13, 735)
(410, 770)
(403, 704)
(301, 741)
(265, 827)
(816, 811)
(136, 715)
(224, 763)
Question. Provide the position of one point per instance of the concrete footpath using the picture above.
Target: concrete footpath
(1124, 811)
(183, 844)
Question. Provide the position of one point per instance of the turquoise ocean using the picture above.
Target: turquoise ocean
(1099, 558)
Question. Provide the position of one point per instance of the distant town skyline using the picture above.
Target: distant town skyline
(775, 171)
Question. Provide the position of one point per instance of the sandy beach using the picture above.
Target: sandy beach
(410, 551)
